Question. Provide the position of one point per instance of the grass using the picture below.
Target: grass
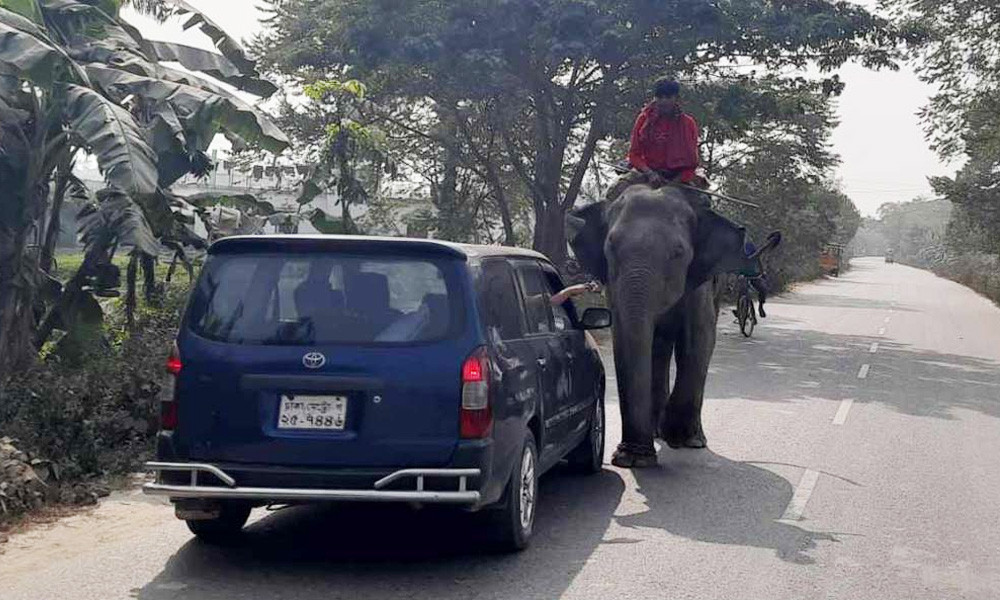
(68, 263)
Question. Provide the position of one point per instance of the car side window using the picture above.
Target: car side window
(537, 309)
(564, 314)
(499, 301)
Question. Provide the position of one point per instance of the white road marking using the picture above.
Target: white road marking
(887, 319)
(863, 373)
(845, 407)
(874, 348)
(797, 505)
(881, 331)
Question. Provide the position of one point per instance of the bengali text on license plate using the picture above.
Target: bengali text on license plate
(312, 412)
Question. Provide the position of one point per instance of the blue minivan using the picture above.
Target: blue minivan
(339, 368)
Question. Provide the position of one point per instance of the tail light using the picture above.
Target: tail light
(168, 407)
(476, 414)
(174, 364)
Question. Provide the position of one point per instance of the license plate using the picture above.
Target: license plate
(313, 412)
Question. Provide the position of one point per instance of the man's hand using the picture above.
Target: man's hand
(655, 179)
(574, 291)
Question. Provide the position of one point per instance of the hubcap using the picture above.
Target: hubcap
(527, 491)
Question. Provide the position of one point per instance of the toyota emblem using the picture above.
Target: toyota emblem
(313, 360)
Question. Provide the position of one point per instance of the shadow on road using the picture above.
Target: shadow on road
(366, 552)
(702, 496)
(783, 364)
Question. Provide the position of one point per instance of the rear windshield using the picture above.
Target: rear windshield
(310, 299)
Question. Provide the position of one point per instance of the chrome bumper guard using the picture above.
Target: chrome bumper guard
(193, 490)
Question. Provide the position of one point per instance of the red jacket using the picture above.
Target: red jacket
(665, 143)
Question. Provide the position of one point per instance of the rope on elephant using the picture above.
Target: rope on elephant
(622, 170)
(718, 195)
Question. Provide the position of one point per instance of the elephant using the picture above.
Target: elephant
(659, 253)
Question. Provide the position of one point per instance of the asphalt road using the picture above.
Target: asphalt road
(826, 478)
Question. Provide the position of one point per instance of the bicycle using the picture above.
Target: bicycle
(746, 314)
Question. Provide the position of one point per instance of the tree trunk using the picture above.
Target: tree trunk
(451, 221)
(550, 233)
(131, 283)
(16, 305)
(551, 203)
(54, 226)
(171, 269)
(509, 237)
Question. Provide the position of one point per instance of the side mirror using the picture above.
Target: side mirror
(595, 318)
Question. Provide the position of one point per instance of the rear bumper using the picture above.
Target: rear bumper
(450, 486)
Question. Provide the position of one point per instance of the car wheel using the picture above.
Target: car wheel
(225, 528)
(588, 457)
(514, 521)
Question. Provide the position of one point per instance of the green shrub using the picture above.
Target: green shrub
(981, 272)
(98, 418)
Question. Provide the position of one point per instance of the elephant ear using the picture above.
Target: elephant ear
(719, 248)
(772, 242)
(587, 230)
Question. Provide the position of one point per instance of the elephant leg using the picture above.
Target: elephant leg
(681, 424)
(633, 361)
(663, 348)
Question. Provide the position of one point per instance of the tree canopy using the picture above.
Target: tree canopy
(76, 78)
(527, 90)
(960, 55)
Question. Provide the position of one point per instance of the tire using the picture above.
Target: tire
(225, 528)
(513, 522)
(588, 457)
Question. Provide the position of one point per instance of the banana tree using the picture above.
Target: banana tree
(77, 78)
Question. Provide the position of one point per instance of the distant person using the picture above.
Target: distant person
(756, 278)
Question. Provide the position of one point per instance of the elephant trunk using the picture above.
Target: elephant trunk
(639, 296)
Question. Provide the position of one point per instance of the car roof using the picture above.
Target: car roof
(361, 243)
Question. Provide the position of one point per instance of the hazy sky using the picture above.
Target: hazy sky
(880, 139)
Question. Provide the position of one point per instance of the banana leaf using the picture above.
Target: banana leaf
(202, 112)
(83, 24)
(116, 219)
(326, 224)
(30, 57)
(214, 65)
(19, 15)
(226, 44)
(247, 203)
(314, 183)
(109, 132)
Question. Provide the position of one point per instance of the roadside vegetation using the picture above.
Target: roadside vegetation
(956, 235)
(932, 235)
(82, 342)
(476, 121)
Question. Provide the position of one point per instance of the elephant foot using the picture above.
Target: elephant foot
(633, 457)
(696, 441)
